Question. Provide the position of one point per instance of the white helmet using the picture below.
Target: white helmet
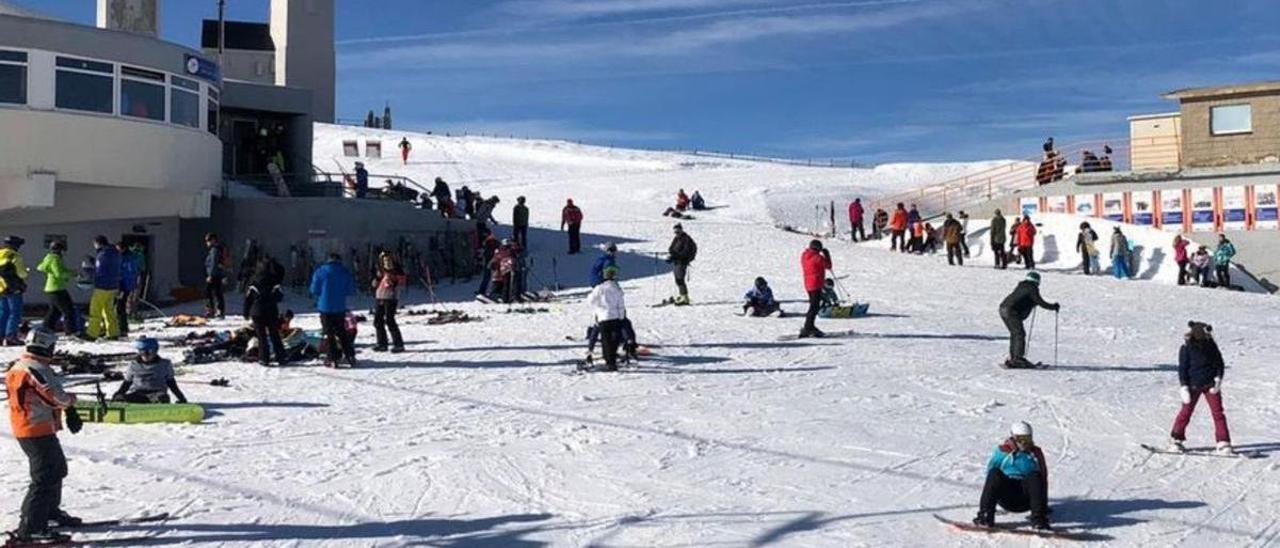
(1020, 428)
(41, 340)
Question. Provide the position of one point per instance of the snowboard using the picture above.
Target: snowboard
(1203, 452)
(139, 413)
(849, 333)
(1012, 529)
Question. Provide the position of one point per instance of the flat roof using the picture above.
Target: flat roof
(1271, 86)
(1156, 116)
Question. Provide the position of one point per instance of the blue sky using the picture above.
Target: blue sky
(872, 80)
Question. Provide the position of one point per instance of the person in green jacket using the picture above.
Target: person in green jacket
(56, 278)
(1222, 260)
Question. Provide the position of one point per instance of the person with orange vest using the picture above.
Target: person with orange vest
(1026, 238)
(898, 229)
(815, 262)
(36, 402)
(572, 216)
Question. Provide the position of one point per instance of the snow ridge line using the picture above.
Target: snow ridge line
(876, 470)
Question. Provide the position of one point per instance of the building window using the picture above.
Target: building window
(1231, 119)
(142, 94)
(84, 85)
(213, 117)
(184, 102)
(13, 77)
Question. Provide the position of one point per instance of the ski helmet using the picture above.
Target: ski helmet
(611, 247)
(1020, 428)
(1033, 277)
(146, 344)
(41, 341)
(760, 282)
(610, 272)
(815, 245)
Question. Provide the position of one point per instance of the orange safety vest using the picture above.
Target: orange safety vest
(36, 398)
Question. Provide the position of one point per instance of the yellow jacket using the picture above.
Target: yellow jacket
(9, 256)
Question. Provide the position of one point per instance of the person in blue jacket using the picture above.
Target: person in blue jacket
(760, 301)
(605, 260)
(1017, 480)
(130, 272)
(106, 285)
(331, 284)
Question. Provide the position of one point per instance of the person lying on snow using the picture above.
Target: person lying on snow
(149, 378)
(1017, 480)
(760, 301)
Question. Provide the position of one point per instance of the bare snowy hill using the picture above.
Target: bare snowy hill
(726, 435)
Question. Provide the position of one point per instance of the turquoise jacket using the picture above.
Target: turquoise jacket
(1017, 464)
(1224, 253)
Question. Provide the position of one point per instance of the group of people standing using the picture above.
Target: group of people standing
(115, 276)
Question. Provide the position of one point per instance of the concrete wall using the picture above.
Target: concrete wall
(1154, 142)
(110, 151)
(258, 67)
(164, 250)
(1202, 149)
(303, 31)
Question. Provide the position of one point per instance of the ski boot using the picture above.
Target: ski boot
(397, 349)
(1224, 448)
(60, 518)
(380, 348)
(985, 519)
(1040, 523)
(351, 362)
(681, 300)
(633, 352)
(1175, 446)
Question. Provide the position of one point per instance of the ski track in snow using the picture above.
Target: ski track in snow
(725, 436)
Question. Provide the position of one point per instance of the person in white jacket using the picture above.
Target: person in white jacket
(609, 308)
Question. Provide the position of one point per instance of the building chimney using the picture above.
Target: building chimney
(135, 16)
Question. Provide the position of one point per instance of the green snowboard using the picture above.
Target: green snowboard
(140, 413)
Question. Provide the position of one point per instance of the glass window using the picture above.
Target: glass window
(141, 74)
(186, 84)
(83, 91)
(13, 84)
(13, 56)
(213, 117)
(1226, 120)
(85, 64)
(185, 108)
(141, 100)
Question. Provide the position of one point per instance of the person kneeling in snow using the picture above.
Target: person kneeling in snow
(760, 301)
(609, 309)
(1017, 480)
(149, 378)
(1200, 369)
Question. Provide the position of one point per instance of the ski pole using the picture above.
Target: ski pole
(1055, 338)
(1031, 332)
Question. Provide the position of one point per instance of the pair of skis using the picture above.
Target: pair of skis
(12, 542)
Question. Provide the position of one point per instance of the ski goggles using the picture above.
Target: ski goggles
(1022, 440)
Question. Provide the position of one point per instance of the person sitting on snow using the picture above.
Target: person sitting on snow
(828, 298)
(149, 378)
(698, 202)
(1017, 480)
(760, 301)
(682, 201)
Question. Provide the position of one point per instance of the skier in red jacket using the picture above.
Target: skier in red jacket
(855, 220)
(1026, 240)
(572, 217)
(815, 261)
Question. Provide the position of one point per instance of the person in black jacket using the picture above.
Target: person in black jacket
(262, 307)
(1085, 242)
(1014, 310)
(682, 252)
(1200, 369)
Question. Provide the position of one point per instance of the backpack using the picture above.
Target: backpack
(13, 284)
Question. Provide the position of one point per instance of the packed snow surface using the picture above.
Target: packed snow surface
(726, 436)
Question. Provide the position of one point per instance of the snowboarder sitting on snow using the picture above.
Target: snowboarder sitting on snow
(829, 299)
(682, 200)
(760, 301)
(149, 378)
(609, 309)
(605, 260)
(1017, 480)
(698, 202)
(1015, 309)
(1200, 369)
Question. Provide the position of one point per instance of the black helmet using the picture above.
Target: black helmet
(760, 282)
(815, 245)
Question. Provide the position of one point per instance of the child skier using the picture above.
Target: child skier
(609, 309)
(1200, 369)
(1017, 480)
(149, 378)
(828, 298)
(760, 301)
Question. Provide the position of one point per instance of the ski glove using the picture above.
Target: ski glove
(1217, 386)
(72, 417)
(1186, 395)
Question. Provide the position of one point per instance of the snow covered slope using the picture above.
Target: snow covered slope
(727, 436)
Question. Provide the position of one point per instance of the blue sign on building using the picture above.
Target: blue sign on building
(203, 68)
